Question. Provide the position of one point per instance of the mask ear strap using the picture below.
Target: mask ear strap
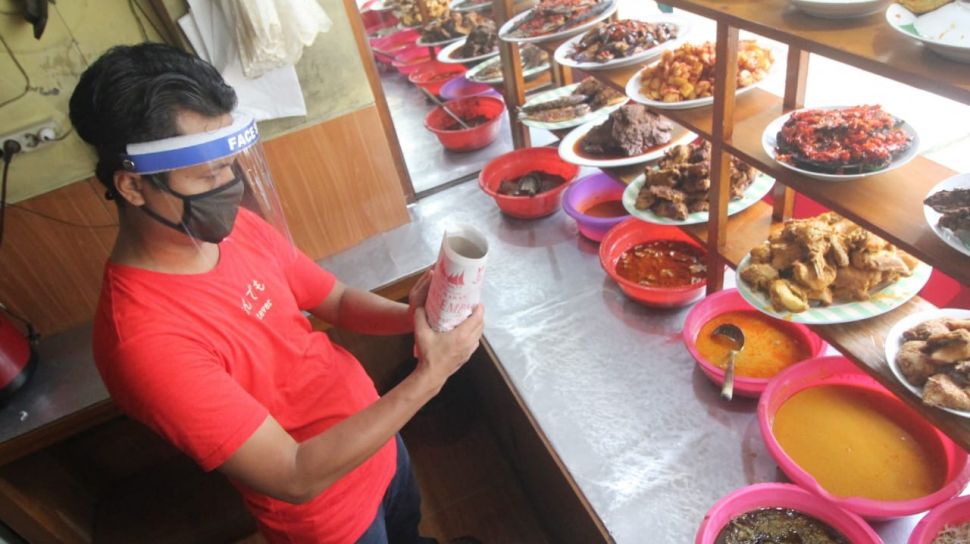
(154, 215)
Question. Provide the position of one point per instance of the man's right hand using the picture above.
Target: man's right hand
(443, 353)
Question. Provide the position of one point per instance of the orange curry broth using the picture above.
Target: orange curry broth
(769, 345)
(857, 443)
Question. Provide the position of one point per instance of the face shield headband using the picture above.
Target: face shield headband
(208, 216)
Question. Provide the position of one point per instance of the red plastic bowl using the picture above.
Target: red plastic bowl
(411, 59)
(386, 48)
(632, 232)
(469, 139)
(433, 75)
(730, 300)
(754, 497)
(518, 163)
(837, 370)
(951, 512)
(375, 20)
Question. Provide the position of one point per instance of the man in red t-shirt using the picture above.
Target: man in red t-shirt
(200, 330)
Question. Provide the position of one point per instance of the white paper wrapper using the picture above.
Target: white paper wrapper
(458, 278)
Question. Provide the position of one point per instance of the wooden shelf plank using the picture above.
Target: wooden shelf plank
(746, 230)
(868, 43)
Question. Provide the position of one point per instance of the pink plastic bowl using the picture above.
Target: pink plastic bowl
(386, 48)
(730, 300)
(411, 59)
(462, 139)
(631, 232)
(837, 370)
(518, 163)
(587, 192)
(952, 512)
(433, 75)
(758, 496)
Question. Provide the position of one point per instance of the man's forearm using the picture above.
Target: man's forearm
(364, 312)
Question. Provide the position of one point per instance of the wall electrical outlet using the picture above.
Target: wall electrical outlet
(33, 137)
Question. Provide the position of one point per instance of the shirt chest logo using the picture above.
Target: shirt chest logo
(254, 300)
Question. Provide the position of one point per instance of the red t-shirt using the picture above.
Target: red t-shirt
(203, 359)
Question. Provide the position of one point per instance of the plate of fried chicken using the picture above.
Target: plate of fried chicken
(825, 270)
(676, 190)
(929, 352)
(947, 210)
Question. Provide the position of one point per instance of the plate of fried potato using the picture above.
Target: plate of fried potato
(683, 78)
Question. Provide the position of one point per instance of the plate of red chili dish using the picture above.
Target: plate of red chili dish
(840, 143)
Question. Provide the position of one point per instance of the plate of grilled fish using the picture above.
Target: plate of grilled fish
(571, 105)
(555, 19)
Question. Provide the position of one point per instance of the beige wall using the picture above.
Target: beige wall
(331, 74)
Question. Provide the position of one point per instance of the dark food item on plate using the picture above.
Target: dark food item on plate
(823, 259)
(551, 16)
(481, 40)
(954, 204)
(532, 57)
(778, 525)
(408, 13)
(468, 4)
(663, 263)
(629, 130)
(680, 184)
(841, 141)
(935, 355)
(589, 96)
(620, 39)
(452, 25)
(530, 184)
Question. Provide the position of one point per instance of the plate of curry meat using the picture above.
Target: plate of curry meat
(630, 135)
(947, 211)
(840, 143)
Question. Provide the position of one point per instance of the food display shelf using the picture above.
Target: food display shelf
(889, 204)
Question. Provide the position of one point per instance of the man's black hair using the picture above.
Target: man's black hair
(133, 94)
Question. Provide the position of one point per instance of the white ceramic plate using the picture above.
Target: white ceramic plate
(421, 43)
(680, 135)
(504, 31)
(456, 6)
(893, 342)
(633, 91)
(560, 92)
(840, 9)
(564, 51)
(958, 240)
(445, 54)
(473, 73)
(761, 186)
(945, 30)
(769, 141)
(886, 299)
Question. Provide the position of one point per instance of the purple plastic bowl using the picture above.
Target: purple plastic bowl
(461, 88)
(587, 192)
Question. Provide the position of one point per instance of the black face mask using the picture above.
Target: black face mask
(207, 216)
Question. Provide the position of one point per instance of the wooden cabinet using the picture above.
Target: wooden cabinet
(889, 204)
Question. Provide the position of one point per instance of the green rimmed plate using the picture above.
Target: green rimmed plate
(884, 300)
(756, 191)
(561, 92)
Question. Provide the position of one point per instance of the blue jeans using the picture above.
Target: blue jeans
(400, 512)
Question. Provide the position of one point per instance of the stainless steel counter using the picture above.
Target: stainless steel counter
(639, 427)
(641, 430)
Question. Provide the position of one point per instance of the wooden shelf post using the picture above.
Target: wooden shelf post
(796, 78)
(514, 84)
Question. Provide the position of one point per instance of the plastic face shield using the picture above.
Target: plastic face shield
(206, 171)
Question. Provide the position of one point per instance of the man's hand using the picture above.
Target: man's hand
(443, 353)
(419, 294)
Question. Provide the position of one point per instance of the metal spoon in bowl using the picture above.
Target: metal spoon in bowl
(734, 334)
(444, 107)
